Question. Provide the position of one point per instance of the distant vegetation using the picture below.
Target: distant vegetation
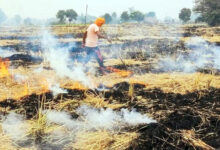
(138, 16)
(69, 14)
(185, 14)
(127, 16)
(108, 18)
(209, 11)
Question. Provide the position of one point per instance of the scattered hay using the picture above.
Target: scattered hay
(7, 144)
(99, 102)
(102, 140)
(68, 104)
(189, 136)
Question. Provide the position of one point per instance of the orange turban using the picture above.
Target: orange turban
(100, 21)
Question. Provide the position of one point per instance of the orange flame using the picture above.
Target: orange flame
(78, 86)
(4, 72)
(122, 73)
(133, 81)
(25, 91)
(44, 85)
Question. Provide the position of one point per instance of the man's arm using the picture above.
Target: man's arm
(84, 39)
(103, 36)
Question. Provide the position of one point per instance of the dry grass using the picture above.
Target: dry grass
(120, 32)
(7, 144)
(9, 42)
(189, 137)
(68, 104)
(112, 62)
(39, 130)
(174, 82)
(212, 39)
(99, 102)
(98, 140)
(33, 83)
(103, 140)
(90, 100)
(38, 83)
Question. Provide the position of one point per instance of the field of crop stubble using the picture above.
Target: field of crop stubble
(162, 91)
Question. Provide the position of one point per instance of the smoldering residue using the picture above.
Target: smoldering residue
(201, 55)
(93, 118)
(60, 60)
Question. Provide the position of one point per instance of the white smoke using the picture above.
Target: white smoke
(216, 53)
(201, 55)
(93, 118)
(90, 119)
(20, 78)
(59, 59)
(38, 70)
(133, 118)
(7, 53)
(15, 127)
(55, 89)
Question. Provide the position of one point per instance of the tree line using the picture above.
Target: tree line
(208, 11)
(131, 15)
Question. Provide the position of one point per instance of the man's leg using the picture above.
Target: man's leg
(99, 58)
(88, 56)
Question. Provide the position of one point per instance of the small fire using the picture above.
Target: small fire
(78, 86)
(75, 85)
(133, 81)
(44, 85)
(4, 72)
(122, 73)
(21, 92)
(25, 91)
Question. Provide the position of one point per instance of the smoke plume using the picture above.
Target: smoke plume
(201, 55)
(7, 53)
(93, 118)
(15, 127)
(59, 59)
(55, 89)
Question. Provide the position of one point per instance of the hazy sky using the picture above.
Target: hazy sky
(43, 9)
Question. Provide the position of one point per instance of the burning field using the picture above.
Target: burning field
(160, 90)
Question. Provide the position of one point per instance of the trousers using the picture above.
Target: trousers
(93, 52)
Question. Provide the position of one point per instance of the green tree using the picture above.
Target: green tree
(124, 16)
(150, 18)
(185, 14)
(108, 18)
(151, 14)
(27, 21)
(61, 15)
(71, 15)
(137, 16)
(2, 16)
(209, 11)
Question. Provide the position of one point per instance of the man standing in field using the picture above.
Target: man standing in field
(90, 42)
